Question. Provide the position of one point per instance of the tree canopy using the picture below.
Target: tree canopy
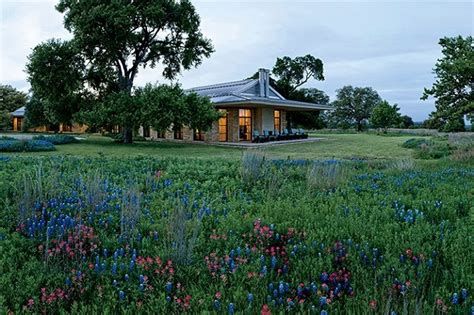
(454, 86)
(57, 76)
(385, 116)
(354, 105)
(11, 99)
(293, 73)
(112, 41)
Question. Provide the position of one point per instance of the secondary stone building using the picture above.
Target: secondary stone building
(246, 106)
(18, 117)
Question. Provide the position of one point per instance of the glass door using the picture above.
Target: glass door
(245, 124)
(223, 131)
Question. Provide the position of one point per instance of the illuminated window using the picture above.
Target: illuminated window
(245, 124)
(223, 126)
(277, 120)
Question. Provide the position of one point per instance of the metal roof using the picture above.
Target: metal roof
(246, 91)
(20, 112)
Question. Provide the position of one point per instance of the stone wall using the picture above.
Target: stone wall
(262, 119)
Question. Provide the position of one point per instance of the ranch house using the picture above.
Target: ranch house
(248, 107)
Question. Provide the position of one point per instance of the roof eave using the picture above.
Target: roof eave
(285, 104)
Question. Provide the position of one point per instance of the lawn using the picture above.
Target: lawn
(339, 146)
(99, 227)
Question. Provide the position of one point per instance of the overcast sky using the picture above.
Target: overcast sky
(390, 46)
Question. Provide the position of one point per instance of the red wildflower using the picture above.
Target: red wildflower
(265, 310)
(373, 304)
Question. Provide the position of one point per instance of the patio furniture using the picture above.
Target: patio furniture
(278, 136)
(303, 134)
(269, 135)
(256, 137)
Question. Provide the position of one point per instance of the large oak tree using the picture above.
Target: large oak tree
(354, 105)
(116, 39)
(454, 86)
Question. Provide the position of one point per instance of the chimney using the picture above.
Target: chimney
(264, 81)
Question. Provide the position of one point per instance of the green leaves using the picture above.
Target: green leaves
(293, 73)
(56, 72)
(11, 99)
(354, 105)
(454, 86)
(91, 77)
(385, 115)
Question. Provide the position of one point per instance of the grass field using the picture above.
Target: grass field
(352, 224)
(339, 146)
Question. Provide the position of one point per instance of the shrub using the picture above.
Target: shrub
(434, 150)
(25, 146)
(414, 143)
(57, 139)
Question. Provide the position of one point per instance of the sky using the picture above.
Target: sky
(391, 46)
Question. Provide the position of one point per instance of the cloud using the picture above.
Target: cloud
(389, 45)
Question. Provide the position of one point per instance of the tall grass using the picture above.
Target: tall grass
(130, 213)
(183, 227)
(253, 166)
(326, 175)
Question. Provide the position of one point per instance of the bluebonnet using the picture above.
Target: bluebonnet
(169, 287)
(217, 305)
(230, 309)
(250, 298)
(322, 300)
(455, 299)
(121, 295)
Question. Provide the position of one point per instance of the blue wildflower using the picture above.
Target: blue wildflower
(121, 295)
(169, 287)
(464, 294)
(250, 298)
(217, 305)
(322, 301)
(455, 299)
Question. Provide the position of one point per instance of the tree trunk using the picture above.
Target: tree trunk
(126, 84)
(359, 125)
(127, 135)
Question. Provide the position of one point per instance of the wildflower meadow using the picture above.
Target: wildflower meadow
(249, 236)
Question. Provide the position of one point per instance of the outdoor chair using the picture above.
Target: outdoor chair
(285, 135)
(268, 136)
(278, 136)
(303, 134)
(256, 138)
(292, 134)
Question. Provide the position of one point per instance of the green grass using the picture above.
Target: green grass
(339, 146)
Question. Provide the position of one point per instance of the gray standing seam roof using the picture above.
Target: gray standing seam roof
(244, 90)
(20, 112)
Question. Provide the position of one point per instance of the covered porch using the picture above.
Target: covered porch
(243, 121)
